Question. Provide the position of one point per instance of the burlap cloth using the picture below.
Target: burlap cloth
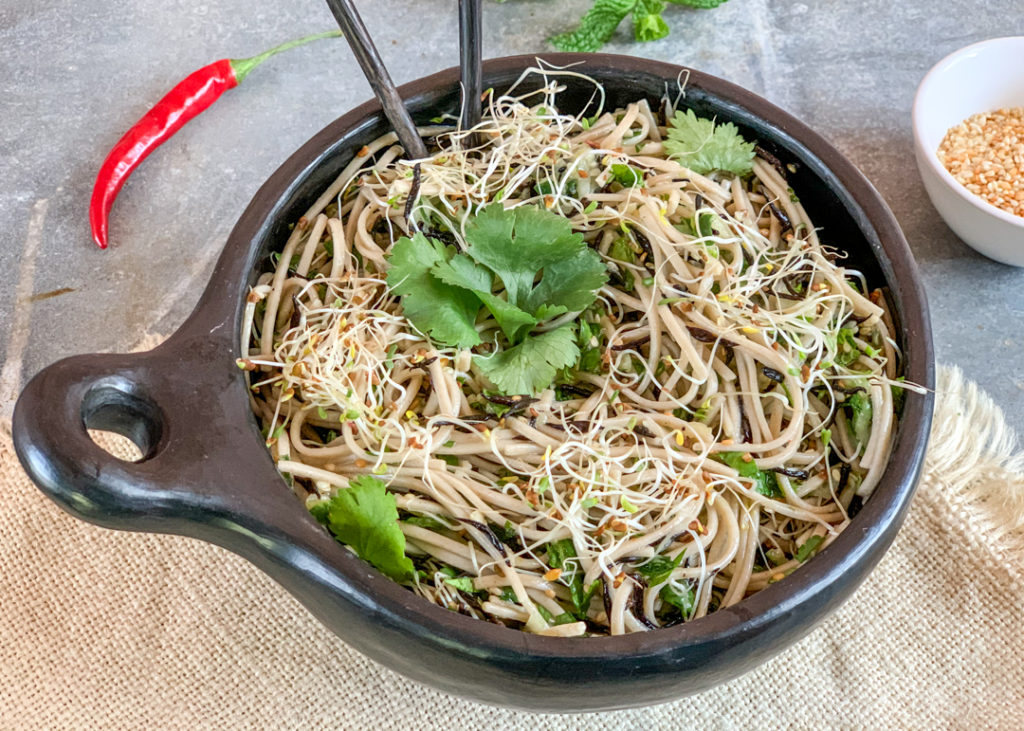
(100, 629)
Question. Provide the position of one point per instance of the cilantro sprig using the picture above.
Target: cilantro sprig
(365, 516)
(522, 267)
(705, 146)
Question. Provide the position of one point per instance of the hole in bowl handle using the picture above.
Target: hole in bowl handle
(50, 429)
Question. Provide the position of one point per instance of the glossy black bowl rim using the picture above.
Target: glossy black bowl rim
(220, 309)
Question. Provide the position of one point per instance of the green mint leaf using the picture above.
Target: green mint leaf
(859, 405)
(704, 146)
(443, 312)
(702, 4)
(531, 366)
(764, 482)
(648, 25)
(595, 28)
(365, 517)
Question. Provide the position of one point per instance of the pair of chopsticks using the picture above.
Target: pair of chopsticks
(470, 63)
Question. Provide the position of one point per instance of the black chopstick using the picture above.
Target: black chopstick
(470, 61)
(380, 80)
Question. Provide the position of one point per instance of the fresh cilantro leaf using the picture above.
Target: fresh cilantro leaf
(764, 482)
(704, 146)
(319, 510)
(568, 284)
(365, 517)
(531, 366)
(808, 548)
(596, 27)
(515, 244)
(462, 271)
(590, 361)
(847, 351)
(648, 25)
(860, 416)
(444, 312)
(627, 175)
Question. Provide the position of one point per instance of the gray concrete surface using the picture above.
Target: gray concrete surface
(74, 74)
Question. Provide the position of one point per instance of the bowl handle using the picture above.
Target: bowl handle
(184, 406)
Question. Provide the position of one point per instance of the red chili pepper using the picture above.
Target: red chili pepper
(186, 100)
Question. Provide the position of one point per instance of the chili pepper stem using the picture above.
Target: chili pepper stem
(242, 66)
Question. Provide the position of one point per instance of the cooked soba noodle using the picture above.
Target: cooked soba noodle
(706, 449)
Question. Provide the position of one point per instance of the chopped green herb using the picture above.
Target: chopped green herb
(462, 583)
(764, 482)
(627, 176)
(847, 351)
(681, 600)
(425, 521)
(808, 548)
(659, 569)
(559, 553)
(859, 406)
(899, 396)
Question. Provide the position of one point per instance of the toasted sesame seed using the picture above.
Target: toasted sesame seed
(985, 153)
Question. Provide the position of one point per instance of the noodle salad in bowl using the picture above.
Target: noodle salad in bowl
(576, 375)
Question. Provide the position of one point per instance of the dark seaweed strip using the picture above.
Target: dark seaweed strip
(414, 191)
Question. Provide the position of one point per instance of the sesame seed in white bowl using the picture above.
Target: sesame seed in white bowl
(986, 152)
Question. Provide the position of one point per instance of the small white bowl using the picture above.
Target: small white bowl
(982, 77)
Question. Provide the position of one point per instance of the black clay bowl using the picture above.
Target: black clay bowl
(206, 473)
